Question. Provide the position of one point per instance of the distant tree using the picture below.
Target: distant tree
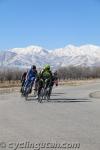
(78, 72)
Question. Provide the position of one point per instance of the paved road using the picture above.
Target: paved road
(71, 116)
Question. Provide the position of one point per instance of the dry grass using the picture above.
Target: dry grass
(7, 84)
(9, 87)
(78, 82)
(11, 84)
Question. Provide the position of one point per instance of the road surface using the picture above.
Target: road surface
(70, 117)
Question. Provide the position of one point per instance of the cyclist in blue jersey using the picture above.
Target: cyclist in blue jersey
(30, 78)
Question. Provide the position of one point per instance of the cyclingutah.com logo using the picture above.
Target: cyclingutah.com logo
(39, 146)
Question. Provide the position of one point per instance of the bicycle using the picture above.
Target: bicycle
(27, 91)
(44, 92)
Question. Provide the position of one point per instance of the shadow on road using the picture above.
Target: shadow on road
(61, 100)
(58, 93)
(68, 100)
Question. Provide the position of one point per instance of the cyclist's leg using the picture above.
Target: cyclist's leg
(50, 86)
(40, 91)
(47, 84)
(36, 84)
(27, 82)
(31, 85)
(40, 85)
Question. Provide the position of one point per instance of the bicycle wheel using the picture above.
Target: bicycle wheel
(28, 90)
(45, 94)
(48, 94)
(40, 96)
(26, 96)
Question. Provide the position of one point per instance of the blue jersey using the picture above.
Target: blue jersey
(31, 75)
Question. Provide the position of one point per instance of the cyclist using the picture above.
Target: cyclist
(23, 78)
(44, 77)
(54, 80)
(30, 78)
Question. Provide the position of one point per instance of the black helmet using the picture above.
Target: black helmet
(33, 67)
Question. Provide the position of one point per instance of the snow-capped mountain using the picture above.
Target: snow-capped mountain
(86, 55)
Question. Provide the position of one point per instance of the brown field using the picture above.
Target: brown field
(8, 87)
(7, 84)
(11, 84)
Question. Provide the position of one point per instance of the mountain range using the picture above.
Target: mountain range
(85, 55)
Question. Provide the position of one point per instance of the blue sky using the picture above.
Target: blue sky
(49, 23)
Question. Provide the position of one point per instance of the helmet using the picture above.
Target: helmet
(33, 67)
(47, 66)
